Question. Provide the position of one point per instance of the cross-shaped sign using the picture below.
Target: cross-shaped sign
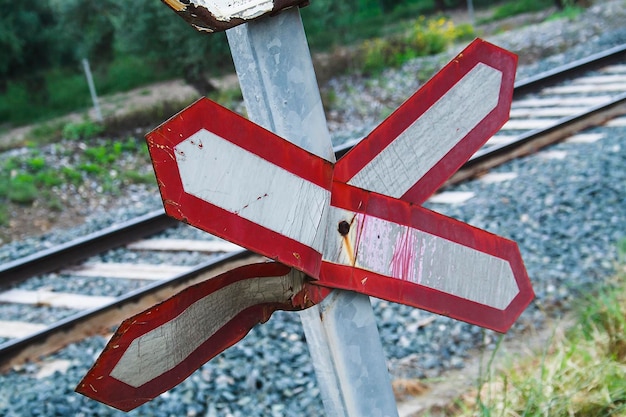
(355, 225)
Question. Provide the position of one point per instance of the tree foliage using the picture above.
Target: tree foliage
(38, 36)
(161, 36)
(27, 43)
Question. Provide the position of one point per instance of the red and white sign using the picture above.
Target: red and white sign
(355, 225)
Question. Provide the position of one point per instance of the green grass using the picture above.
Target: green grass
(86, 129)
(569, 12)
(581, 372)
(514, 8)
(522, 6)
(30, 178)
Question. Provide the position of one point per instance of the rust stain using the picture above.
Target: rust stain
(349, 249)
(176, 5)
(152, 144)
(344, 230)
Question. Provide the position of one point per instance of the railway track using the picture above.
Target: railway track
(546, 109)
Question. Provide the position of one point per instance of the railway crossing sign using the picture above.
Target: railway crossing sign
(357, 224)
(157, 349)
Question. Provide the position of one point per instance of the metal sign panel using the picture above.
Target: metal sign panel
(157, 349)
(230, 177)
(427, 139)
(219, 15)
(401, 252)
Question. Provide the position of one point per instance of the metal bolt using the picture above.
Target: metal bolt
(343, 228)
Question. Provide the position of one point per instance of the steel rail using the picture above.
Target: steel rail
(564, 72)
(100, 320)
(532, 141)
(76, 250)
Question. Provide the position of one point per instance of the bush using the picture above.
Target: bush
(22, 189)
(519, 7)
(82, 130)
(425, 37)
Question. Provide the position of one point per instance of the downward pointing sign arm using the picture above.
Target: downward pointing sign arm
(157, 349)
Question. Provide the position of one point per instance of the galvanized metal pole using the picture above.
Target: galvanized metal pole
(280, 91)
(470, 11)
(92, 90)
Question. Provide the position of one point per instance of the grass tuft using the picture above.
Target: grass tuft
(582, 372)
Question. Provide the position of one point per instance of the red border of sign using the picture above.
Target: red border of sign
(401, 212)
(205, 114)
(99, 385)
(478, 51)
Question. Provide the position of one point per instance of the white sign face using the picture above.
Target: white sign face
(226, 10)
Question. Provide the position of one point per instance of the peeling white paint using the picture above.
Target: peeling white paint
(225, 10)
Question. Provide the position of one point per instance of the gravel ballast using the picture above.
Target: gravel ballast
(567, 216)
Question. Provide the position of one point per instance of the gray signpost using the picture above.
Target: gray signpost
(280, 91)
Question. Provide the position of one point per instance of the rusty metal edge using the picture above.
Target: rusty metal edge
(201, 19)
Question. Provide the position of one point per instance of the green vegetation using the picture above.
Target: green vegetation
(580, 373)
(519, 7)
(30, 179)
(568, 12)
(425, 37)
(83, 130)
(41, 74)
(65, 91)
